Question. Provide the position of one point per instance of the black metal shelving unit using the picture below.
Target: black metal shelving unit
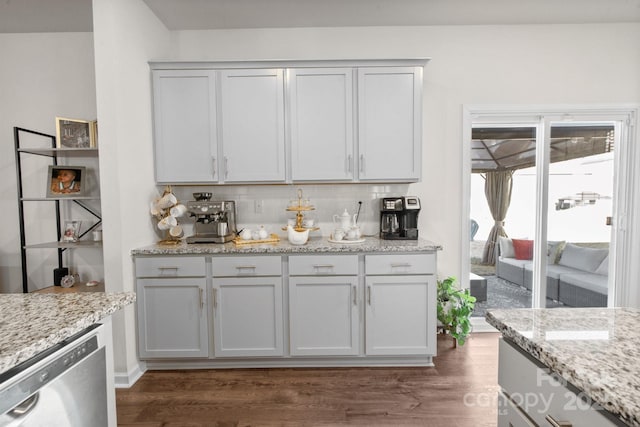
(52, 153)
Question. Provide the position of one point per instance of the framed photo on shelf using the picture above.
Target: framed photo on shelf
(75, 133)
(66, 181)
(71, 232)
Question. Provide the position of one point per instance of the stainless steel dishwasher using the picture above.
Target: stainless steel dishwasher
(63, 386)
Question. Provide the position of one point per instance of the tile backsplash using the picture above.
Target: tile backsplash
(272, 201)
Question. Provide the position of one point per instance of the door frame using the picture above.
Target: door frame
(626, 233)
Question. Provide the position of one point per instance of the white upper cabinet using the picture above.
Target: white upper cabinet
(389, 123)
(321, 124)
(334, 121)
(251, 125)
(185, 126)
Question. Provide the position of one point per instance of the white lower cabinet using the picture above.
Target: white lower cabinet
(532, 393)
(323, 316)
(172, 319)
(247, 308)
(400, 315)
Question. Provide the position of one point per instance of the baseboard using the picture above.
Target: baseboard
(127, 379)
(479, 324)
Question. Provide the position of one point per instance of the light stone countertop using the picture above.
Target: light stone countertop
(594, 349)
(31, 323)
(314, 245)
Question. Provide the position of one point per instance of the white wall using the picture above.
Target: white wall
(42, 76)
(126, 35)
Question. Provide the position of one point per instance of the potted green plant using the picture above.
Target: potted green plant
(455, 306)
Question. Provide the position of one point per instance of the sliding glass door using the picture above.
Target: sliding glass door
(542, 199)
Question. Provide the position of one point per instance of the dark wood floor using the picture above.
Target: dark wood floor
(460, 391)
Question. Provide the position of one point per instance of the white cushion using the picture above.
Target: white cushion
(592, 282)
(553, 250)
(603, 269)
(506, 247)
(581, 258)
(516, 262)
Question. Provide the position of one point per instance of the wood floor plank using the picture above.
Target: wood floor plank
(460, 391)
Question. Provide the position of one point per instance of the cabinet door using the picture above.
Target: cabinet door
(509, 415)
(389, 123)
(172, 321)
(323, 316)
(321, 112)
(400, 315)
(184, 114)
(248, 316)
(252, 125)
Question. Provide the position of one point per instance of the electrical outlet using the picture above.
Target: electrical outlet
(258, 206)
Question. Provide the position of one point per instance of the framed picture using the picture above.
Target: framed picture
(74, 133)
(71, 232)
(66, 181)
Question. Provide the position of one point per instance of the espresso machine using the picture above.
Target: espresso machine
(215, 220)
(399, 218)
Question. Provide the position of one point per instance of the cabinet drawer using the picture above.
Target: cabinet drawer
(306, 265)
(247, 266)
(542, 394)
(400, 264)
(171, 266)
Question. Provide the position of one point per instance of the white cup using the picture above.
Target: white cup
(176, 231)
(167, 222)
(308, 222)
(154, 209)
(178, 210)
(338, 234)
(167, 201)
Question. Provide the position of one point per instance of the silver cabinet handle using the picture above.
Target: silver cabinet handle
(201, 298)
(361, 162)
(325, 266)
(555, 423)
(226, 167)
(215, 297)
(400, 265)
(245, 267)
(349, 163)
(213, 166)
(354, 290)
(166, 271)
(369, 294)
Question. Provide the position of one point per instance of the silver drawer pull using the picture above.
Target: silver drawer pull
(369, 294)
(168, 271)
(555, 423)
(354, 289)
(319, 266)
(400, 265)
(201, 298)
(246, 267)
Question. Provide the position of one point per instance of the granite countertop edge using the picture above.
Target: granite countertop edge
(26, 333)
(314, 245)
(605, 398)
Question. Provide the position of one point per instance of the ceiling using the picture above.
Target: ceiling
(24, 16)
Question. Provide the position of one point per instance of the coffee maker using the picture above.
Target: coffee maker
(215, 220)
(399, 218)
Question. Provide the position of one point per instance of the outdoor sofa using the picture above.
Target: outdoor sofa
(577, 273)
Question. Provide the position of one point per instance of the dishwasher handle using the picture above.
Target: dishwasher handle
(23, 408)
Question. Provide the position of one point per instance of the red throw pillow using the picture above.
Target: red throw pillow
(523, 248)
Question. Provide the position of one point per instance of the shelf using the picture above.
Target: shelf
(66, 245)
(81, 287)
(60, 151)
(45, 199)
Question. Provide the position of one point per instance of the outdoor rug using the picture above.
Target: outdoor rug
(504, 294)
